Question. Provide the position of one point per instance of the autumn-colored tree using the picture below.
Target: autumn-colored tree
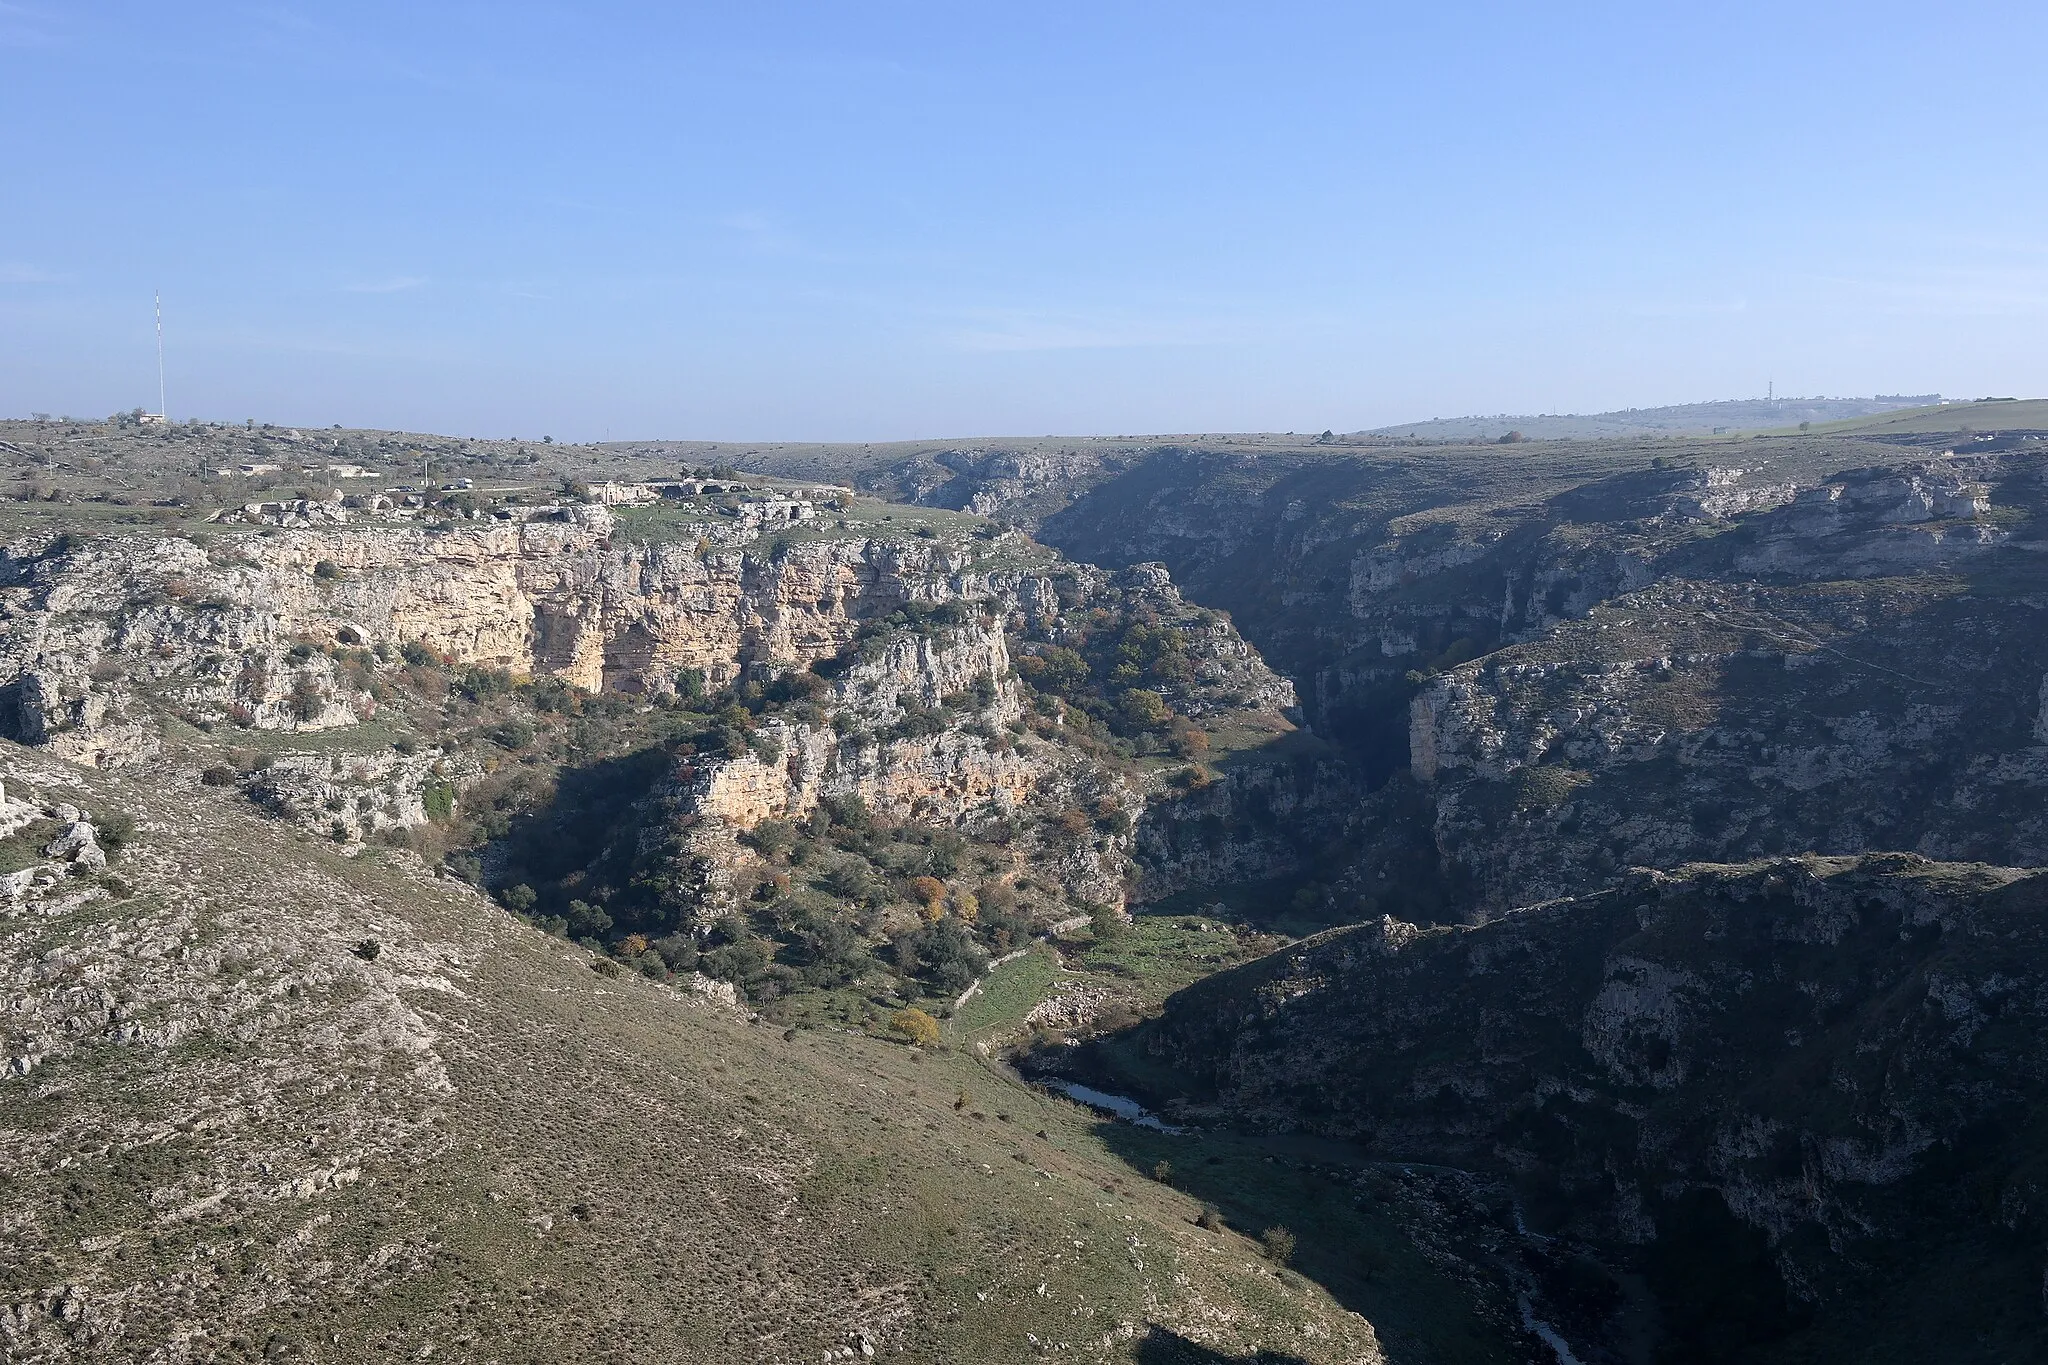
(917, 1026)
(929, 890)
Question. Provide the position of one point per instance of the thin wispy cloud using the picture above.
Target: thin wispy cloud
(397, 284)
(2020, 291)
(15, 272)
(1026, 331)
(1694, 308)
(27, 26)
(283, 32)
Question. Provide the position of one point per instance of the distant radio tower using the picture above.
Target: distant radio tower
(161, 410)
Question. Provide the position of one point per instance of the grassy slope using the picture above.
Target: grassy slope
(2025, 414)
(1377, 1239)
(554, 1165)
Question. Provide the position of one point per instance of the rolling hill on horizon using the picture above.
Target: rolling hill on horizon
(1691, 419)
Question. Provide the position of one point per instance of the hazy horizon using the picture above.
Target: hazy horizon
(800, 223)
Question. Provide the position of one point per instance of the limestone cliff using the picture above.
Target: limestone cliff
(921, 727)
(94, 629)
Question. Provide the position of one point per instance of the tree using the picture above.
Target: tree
(914, 1024)
(850, 879)
(1278, 1244)
(306, 701)
(1105, 923)
(587, 920)
(1145, 709)
(943, 954)
(1057, 669)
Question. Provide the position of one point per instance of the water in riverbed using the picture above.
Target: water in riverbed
(1129, 1110)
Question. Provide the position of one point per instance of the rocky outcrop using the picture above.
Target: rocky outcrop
(1701, 720)
(921, 728)
(860, 747)
(1838, 1058)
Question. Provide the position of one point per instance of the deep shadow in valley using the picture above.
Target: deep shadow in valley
(1162, 1347)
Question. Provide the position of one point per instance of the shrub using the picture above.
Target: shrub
(518, 898)
(326, 570)
(1162, 1171)
(306, 701)
(1278, 1244)
(1211, 1218)
(1104, 923)
(771, 837)
(914, 1024)
(851, 880)
(848, 811)
(679, 951)
(741, 962)
(368, 949)
(513, 734)
(604, 966)
(1547, 785)
(115, 831)
(437, 798)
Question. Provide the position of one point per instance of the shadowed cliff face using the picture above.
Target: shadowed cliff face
(1582, 666)
(1844, 1062)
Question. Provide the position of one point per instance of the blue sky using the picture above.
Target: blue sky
(878, 220)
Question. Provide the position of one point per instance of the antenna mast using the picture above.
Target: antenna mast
(161, 410)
